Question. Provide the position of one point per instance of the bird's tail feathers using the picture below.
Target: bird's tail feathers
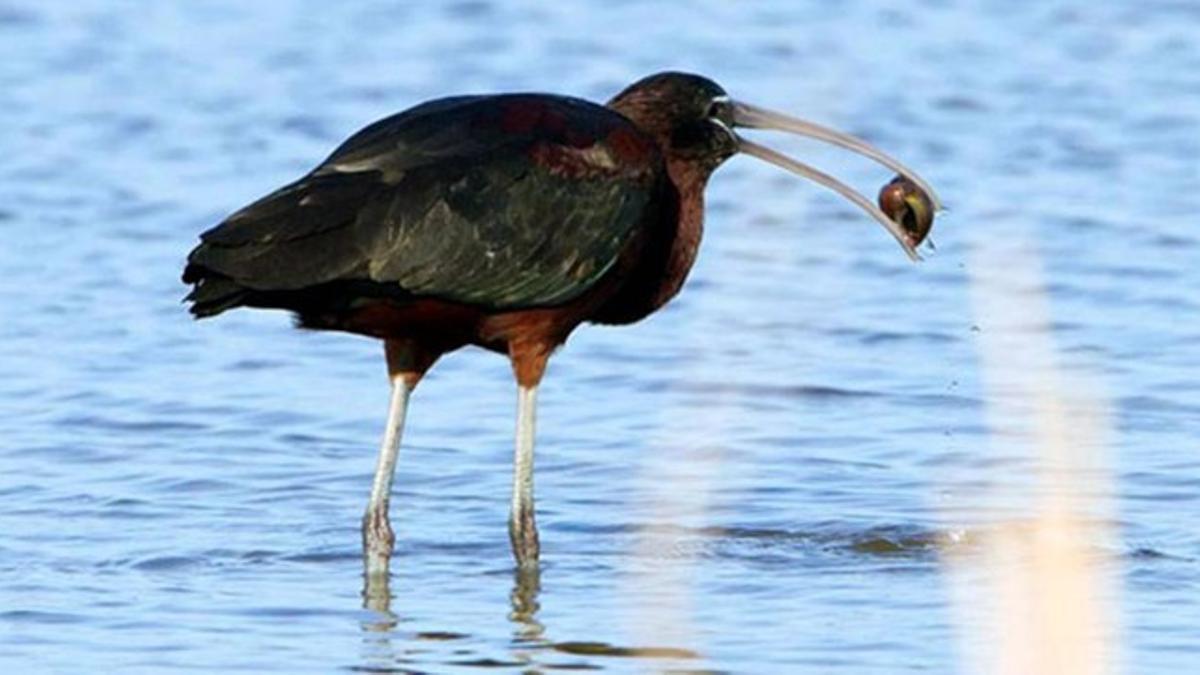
(213, 294)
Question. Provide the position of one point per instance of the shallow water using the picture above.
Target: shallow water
(758, 479)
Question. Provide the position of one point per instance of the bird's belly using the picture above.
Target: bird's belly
(428, 320)
(441, 326)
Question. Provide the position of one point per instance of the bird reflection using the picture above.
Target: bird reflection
(382, 647)
(385, 645)
(527, 583)
(377, 597)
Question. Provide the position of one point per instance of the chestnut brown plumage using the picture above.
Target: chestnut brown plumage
(500, 221)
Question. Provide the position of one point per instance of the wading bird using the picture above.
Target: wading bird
(501, 221)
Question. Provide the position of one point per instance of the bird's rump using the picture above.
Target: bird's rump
(494, 202)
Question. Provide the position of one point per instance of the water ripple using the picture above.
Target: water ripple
(186, 495)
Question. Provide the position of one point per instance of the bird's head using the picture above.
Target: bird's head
(688, 115)
(694, 121)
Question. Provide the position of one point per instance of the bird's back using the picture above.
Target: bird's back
(495, 202)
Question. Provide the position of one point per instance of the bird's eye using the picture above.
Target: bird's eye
(717, 108)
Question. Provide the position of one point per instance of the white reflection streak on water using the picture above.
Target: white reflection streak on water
(678, 479)
(1038, 594)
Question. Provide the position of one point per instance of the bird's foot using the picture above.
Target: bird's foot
(522, 532)
(378, 542)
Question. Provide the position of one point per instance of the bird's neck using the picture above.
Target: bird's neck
(689, 180)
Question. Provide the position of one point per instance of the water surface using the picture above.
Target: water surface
(757, 479)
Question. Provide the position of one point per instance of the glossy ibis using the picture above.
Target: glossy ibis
(501, 221)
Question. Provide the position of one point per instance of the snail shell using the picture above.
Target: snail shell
(908, 206)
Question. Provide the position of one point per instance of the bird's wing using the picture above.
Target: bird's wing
(503, 202)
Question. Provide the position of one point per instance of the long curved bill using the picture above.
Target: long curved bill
(753, 117)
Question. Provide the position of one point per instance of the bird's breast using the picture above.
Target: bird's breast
(666, 249)
(689, 182)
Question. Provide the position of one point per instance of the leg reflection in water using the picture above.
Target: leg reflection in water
(377, 597)
(527, 583)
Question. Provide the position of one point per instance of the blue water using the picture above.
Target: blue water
(758, 479)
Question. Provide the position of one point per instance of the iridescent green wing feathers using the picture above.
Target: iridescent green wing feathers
(501, 202)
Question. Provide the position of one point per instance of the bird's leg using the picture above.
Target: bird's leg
(407, 362)
(522, 528)
(528, 365)
(378, 537)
